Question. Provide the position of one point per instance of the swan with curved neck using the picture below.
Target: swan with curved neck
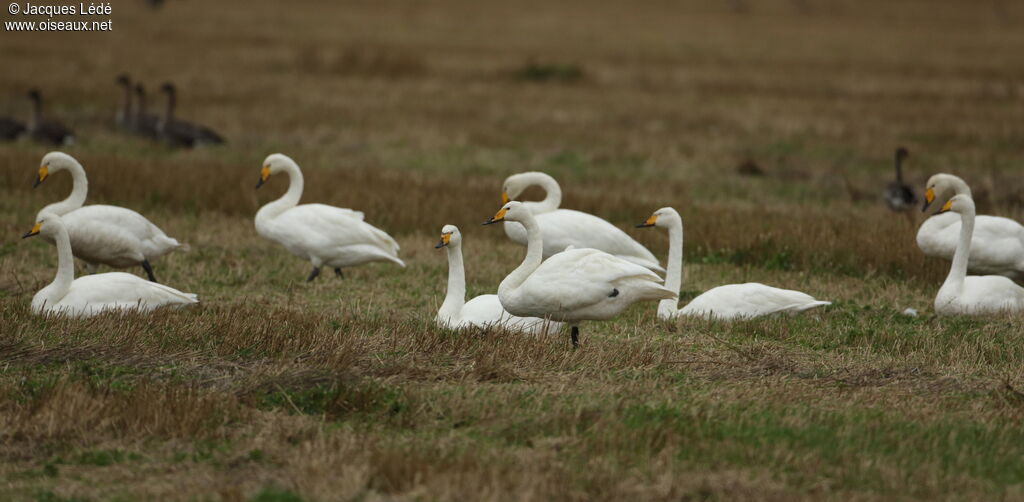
(91, 295)
(103, 234)
(574, 285)
(483, 311)
(324, 235)
(562, 228)
(898, 195)
(998, 243)
(964, 294)
(732, 301)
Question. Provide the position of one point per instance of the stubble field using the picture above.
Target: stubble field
(275, 389)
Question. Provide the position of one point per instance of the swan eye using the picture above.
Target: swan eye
(929, 195)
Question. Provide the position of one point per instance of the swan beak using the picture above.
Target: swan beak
(649, 223)
(946, 207)
(34, 231)
(504, 198)
(264, 176)
(445, 239)
(929, 197)
(43, 173)
(500, 216)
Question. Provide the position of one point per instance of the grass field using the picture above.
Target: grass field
(414, 112)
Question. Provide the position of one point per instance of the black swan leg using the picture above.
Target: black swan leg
(313, 274)
(149, 270)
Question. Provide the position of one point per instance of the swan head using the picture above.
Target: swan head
(47, 225)
(516, 184)
(961, 203)
(662, 218)
(450, 235)
(124, 80)
(273, 164)
(901, 154)
(53, 162)
(168, 88)
(942, 186)
(511, 211)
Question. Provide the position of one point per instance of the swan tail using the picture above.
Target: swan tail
(648, 264)
(808, 306)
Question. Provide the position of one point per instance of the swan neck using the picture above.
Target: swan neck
(290, 198)
(533, 259)
(169, 109)
(552, 194)
(958, 271)
(899, 169)
(455, 299)
(124, 114)
(65, 267)
(79, 191)
(674, 274)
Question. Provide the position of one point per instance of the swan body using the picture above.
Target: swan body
(972, 295)
(324, 235)
(45, 130)
(997, 245)
(102, 234)
(561, 228)
(483, 311)
(91, 295)
(729, 302)
(574, 285)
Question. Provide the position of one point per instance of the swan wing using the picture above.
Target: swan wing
(117, 290)
(114, 220)
(562, 228)
(997, 243)
(980, 295)
(486, 311)
(332, 235)
(747, 301)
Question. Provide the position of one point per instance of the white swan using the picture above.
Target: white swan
(574, 285)
(733, 301)
(483, 311)
(963, 294)
(322, 234)
(93, 294)
(102, 234)
(562, 228)
(998, 243)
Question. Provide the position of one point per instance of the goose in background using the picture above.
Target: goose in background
(102, 234)
(484, 311)
(573, 285)
(562, 228)
(123, 116)
(997, 243)
(10, 129)
(972, 295)
(46, 130)
(729, 302)
(325, 235)
(180, 133)
(898, 195)
(143, 123)
(94, 294)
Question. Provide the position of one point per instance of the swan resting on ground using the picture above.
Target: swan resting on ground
(964, 294)
(562, 228)
(483, 311)
(997, 244)
(102, 234)
(93, 294)
(730, 302)
(574, 285)
(325, 235)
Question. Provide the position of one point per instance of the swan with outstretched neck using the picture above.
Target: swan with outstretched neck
(574, 285)
(997, 243)
(324, 235)
(101, 234)
(732, 301)
(562, 228)
(91, 295)
(483, 311)
(964, 294)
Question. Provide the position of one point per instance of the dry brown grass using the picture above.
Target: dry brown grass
(414, 113)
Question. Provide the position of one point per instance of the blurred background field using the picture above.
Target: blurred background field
(769, 125)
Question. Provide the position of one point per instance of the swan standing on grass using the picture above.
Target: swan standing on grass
(324, 235)
(562, 228)
(963, 294)
(91, 295)
(997, 244)
(483, 311)
(101, 234)
(574, 285)
(733, 301)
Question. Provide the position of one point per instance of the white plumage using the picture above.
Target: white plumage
(997, 243)
(574, 285)
(91, 295)
(483, 311)
(971, 295)
(729, 302)
(102, 234)
(324, 235)
(562, 228)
